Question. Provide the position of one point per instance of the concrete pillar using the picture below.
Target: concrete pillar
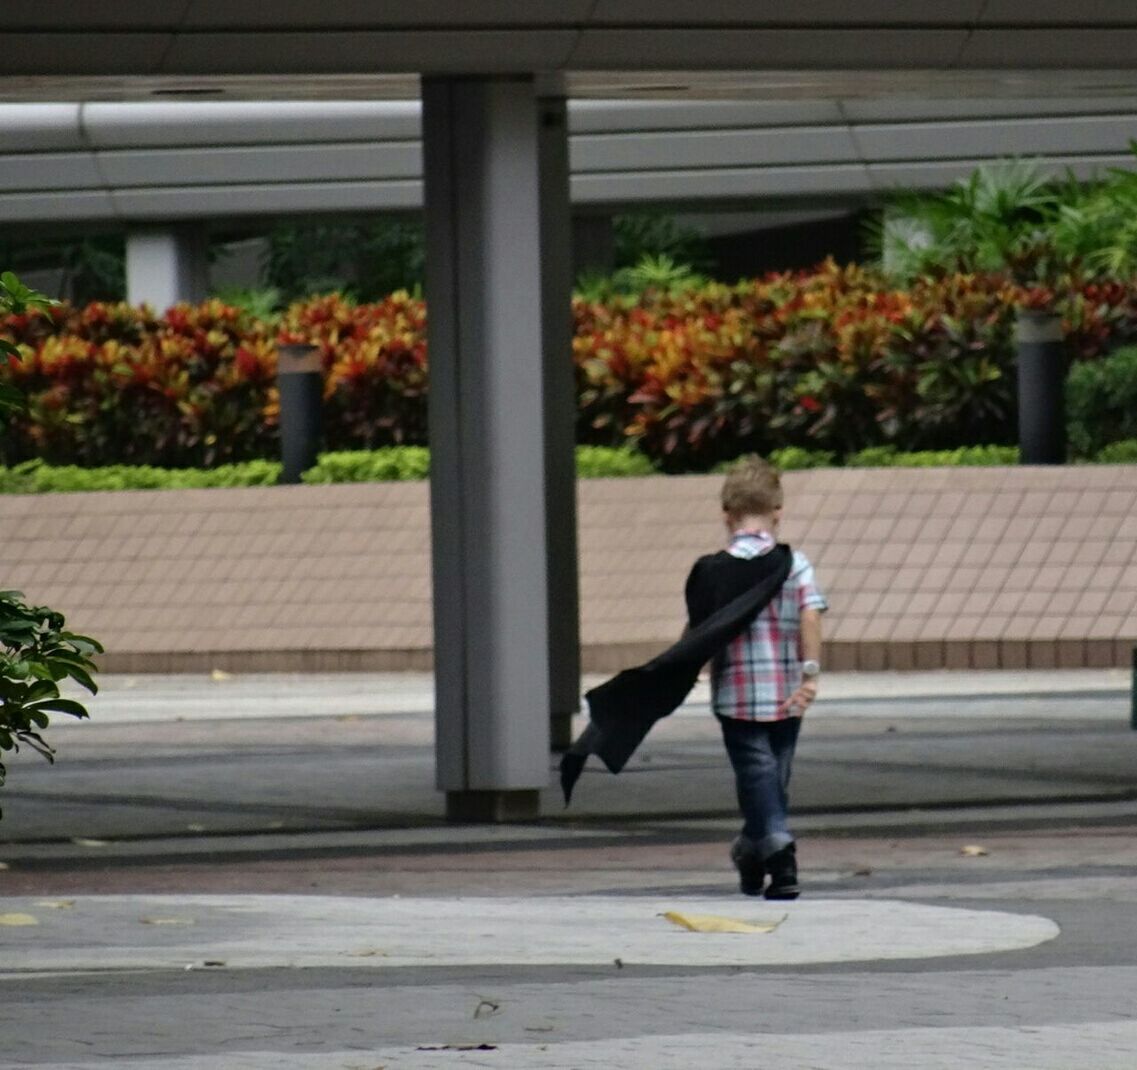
(563, 588)
(487, 437)
(166, 265)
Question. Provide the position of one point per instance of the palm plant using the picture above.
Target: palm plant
(1011, 218)
(998, 219)
(1096, 226)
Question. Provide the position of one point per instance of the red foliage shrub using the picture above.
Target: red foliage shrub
(829, 359)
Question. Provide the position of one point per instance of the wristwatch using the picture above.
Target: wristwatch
(811, 668)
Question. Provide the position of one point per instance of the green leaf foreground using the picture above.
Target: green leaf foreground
(37, 652)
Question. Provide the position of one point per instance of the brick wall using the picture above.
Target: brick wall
(925, 568)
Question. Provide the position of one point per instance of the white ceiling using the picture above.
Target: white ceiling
(342, 49)
(714, 100)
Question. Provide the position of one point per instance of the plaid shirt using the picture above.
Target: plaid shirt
(762, 667)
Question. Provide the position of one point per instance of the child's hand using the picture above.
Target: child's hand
(801, 699)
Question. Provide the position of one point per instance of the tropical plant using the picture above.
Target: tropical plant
(651, 273)
(1001, 218)
(363, 258)
(263, 304)
(36, 650)
(1012, 218)
(636, 235)
(1124, 452)
(834, 359)
(1101, 402)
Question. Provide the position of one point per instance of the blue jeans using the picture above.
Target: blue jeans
(762, 753)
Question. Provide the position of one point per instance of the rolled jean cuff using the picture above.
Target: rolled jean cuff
(771, 844)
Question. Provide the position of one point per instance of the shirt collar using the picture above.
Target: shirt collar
(749, 544)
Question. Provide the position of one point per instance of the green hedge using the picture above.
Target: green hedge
(1101, 402)
(35, 477)
(392, 464)
(401, 463)
(966, 456)
(1124, 452)
(389, 464)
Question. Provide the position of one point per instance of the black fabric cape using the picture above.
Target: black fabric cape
(622, 710)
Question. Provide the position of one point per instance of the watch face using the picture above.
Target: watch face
(810, 668)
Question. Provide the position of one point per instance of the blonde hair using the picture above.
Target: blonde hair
(753, 487)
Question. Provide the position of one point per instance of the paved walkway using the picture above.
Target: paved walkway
(224, 696)
(348, 927)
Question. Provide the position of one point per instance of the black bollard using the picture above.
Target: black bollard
(1041, 353)
(301, 382)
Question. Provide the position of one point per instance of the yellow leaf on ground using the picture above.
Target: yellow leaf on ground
(167, 921)
(220, 674)
(973, 850)
(18, 919)
(712, 923)
(56, 904)
(82, 841)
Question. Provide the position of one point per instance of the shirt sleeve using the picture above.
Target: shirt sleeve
(809, 595)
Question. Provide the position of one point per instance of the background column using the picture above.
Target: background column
(487, 437)
(166, 265)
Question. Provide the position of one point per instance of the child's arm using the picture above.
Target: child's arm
(803, 697)
(811, 635)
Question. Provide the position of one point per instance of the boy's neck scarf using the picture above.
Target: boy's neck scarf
(622, 710)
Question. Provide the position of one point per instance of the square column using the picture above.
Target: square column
(166, 265)
(487, 438)
(560, 420)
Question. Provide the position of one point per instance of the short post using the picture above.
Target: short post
(1133, 694)
(300, 380)
(1041, 357)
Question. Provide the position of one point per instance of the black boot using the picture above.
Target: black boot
(751, 872)
(782, 867)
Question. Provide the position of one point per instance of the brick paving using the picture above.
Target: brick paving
(925, 568)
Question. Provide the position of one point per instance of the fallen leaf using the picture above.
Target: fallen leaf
(973, 850)
(195, 827)
(168, 921)
(3, 865)
(366, 953)
(344, 718)
(214, 962)
(712, 923)
(56, 904)
(220, 674)
(486, 1008)
(18, 919)
(863, 871)
(82, 841)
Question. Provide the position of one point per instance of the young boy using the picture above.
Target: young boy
(764, 680)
